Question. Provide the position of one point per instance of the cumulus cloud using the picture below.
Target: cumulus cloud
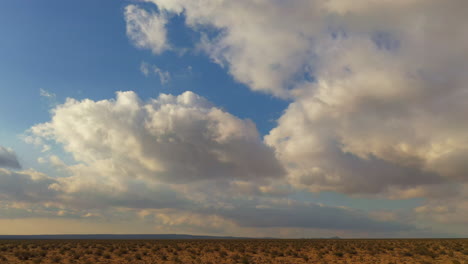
(8, 158)
(169, 152)
(258, 48)
(372, 121)
(164, 153)
(171, 139)
(372, 111)
(146, 30)
(377, 88)
(362, 126)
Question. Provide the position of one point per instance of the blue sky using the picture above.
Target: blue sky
(337, 122)
(80, 50)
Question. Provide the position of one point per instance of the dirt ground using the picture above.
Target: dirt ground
(389, 251)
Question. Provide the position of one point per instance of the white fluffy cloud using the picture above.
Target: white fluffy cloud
(377, 112)
(174, 152)
(146, 30)
(264, 44)
(8, 158)
(164, 153)
(369, 124)
(170, 139)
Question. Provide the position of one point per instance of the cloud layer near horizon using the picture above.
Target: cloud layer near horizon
(174, 160)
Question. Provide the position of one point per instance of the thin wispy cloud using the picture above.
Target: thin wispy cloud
(148, 70)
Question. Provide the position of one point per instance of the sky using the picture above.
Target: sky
(263, 118)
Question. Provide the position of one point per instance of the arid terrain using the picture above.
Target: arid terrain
(236, 251)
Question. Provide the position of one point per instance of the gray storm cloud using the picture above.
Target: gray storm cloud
(310, 216)
(8, 158)
(26, 186)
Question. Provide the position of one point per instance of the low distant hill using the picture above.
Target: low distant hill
(133, 236)
(109, 236)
